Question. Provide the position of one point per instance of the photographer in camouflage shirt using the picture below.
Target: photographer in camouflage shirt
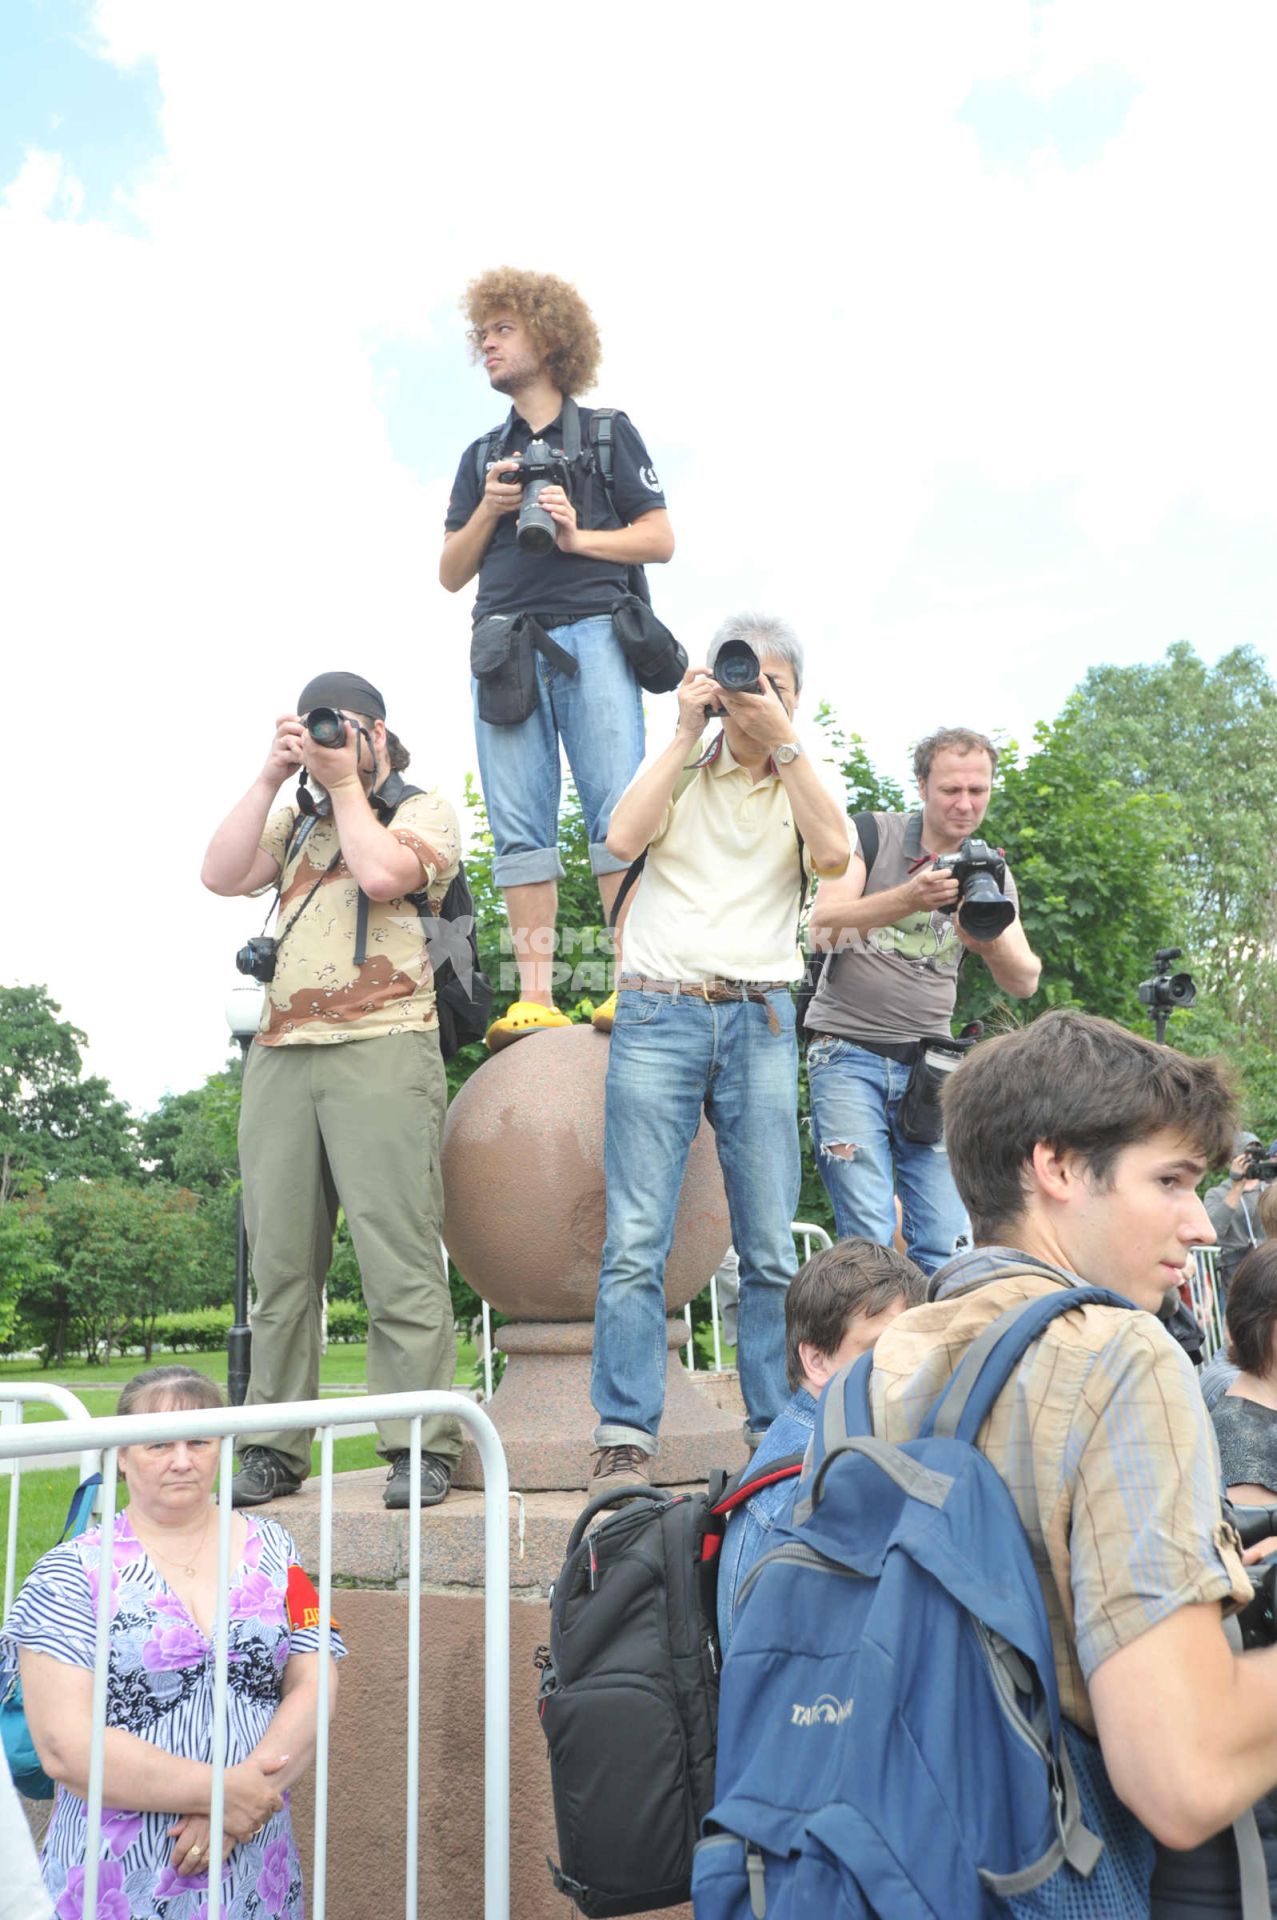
(344, 1088)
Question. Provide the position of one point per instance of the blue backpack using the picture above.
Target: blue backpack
(29, 1777)
(890, 1737)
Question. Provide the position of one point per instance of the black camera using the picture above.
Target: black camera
(1258, 1621)
(1259, 1167)
(326, 727)
(1167, 990)
(981, 875)
(540, 467)
(256, 958)
(736, 667)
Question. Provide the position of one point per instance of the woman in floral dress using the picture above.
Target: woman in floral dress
(156, 1840)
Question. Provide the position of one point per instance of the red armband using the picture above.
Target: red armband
(303, 1601)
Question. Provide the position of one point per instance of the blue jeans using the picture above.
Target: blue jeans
(598, 712)
(671, 1056)
(855, 1100)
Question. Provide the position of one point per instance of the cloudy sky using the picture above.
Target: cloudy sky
(950, 329)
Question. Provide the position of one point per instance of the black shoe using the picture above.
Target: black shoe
(436, 1479)
(263, 1475)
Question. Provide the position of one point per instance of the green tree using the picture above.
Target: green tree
(1095, 863)
(54, 1120)
(120, 1255)
(1209, 736)
(868, 791)
(24, 1260)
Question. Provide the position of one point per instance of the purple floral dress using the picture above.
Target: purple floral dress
(160, 1687)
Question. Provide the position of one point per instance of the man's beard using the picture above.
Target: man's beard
(512, 379)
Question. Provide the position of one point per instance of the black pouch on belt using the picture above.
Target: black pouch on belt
(659, 662)
(918, 1115)
(502, 660)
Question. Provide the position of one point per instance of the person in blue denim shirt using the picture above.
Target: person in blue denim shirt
(837, 1305)
(540, 347)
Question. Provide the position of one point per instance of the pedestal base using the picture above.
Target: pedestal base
(545, 1417)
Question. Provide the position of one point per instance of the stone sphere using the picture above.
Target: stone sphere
(524, 1210)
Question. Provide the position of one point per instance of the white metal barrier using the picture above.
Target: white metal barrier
(807, 1233)
(12, 1401)
(1206, 1298)
(26, 1443)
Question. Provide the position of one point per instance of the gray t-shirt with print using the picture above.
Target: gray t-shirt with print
(899, 982)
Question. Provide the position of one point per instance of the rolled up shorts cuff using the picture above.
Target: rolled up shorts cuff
(601, 861)
(526, 869)
(611, 1435)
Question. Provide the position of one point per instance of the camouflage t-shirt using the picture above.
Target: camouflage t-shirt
(318, 994)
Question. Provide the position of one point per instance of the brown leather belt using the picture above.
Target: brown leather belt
(710, 990)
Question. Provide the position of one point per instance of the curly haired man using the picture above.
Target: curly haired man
(540, 347)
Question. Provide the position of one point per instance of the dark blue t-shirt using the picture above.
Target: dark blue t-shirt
(558, 587)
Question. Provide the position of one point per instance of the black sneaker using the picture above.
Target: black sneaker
(436, 1479)
(263, 1475)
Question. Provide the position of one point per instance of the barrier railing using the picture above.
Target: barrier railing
(807, 1233)
(13, 1399)
(1206, 1298)
(224, 1424)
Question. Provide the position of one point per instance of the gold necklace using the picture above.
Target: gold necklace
(155, 1554)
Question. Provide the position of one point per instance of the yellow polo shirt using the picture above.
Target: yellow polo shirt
(719, 895)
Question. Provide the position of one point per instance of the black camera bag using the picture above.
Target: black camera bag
(659, 662)
(503, 651)
(918, 1115)
(628, 1697)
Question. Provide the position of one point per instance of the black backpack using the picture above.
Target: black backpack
(463, 992)
(628, 1696)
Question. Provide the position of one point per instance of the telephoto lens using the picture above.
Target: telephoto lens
(326, 727)
(534, 529)
(736, 667)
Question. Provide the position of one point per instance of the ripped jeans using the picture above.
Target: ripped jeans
(855, 1098)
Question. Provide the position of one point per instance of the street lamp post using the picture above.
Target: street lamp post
(243, 1015)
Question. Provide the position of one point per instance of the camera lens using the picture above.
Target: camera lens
(736, 667)
(326, 727)
(1180, 991)
(985, 912)
(534, 532)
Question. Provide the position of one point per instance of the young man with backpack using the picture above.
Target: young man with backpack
(1077, 1148)
(551, 593)
(837, 1305)
(344, 1088)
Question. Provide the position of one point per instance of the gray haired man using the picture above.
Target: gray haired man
(705, 1022)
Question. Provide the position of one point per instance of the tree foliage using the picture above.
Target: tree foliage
(1209, 736)
(54, 1120)
(1100, 887)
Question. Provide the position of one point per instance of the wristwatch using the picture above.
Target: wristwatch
(787, 752)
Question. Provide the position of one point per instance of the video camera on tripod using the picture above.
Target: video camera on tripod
(1166, 991)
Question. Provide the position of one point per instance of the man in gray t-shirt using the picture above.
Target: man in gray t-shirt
(889, 985)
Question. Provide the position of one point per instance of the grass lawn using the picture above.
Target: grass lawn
(46, 1493)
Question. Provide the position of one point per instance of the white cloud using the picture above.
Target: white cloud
(816, 300)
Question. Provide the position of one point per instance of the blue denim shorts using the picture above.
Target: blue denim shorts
(598, 714)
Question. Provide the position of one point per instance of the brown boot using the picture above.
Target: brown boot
(621, 1466)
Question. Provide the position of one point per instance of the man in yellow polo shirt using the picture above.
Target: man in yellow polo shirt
(705, 1021)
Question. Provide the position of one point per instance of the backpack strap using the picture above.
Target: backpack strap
(603, 1501)
(80, 1511)
(385, 815)
(752, 1479)
(488, 447)
(990, 1361)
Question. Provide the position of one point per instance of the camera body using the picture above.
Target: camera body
(1167, 990)
(981, 876)
(1258, 1164)
(540, 467)
(256, 958)
(1258, 1621)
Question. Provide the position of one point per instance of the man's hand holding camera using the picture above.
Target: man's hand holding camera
(285, 756)
(930, 890)
(337, 768)
(502, 494)
(762, 717)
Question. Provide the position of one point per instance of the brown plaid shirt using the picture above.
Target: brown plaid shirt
(1105, 1443)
